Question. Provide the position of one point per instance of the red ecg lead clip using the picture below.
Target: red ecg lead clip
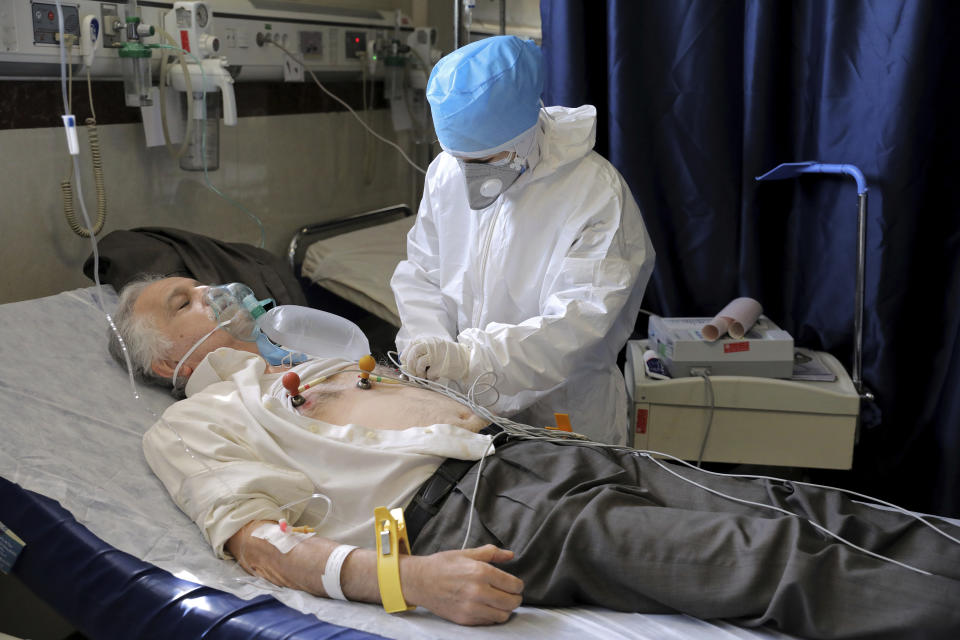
(291, 382)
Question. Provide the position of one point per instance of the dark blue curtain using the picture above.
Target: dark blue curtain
(697, 97)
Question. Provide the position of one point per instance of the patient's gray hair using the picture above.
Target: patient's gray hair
(145, 343)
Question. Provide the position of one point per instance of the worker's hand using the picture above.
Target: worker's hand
(435, 358)
(462, 586)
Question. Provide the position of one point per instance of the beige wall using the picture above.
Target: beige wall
(287, 170)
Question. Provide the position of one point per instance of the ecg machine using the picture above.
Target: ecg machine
(744, 419)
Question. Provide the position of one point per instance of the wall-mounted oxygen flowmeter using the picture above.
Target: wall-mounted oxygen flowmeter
(135, 59)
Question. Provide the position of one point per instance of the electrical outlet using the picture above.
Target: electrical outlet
(292, 70)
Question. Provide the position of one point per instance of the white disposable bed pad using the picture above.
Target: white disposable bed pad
(72, 431)
(357, 266)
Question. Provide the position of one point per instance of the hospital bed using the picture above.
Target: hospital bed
(354, 257)
(108, 549)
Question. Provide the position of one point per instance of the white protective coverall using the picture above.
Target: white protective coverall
(543, 286)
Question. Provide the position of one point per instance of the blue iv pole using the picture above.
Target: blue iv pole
(794, 169)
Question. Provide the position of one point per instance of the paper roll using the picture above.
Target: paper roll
(736, 319)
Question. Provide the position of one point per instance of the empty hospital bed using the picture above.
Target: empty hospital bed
(109, 550)
(354, 257)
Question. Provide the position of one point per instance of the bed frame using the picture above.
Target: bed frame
(323, 230)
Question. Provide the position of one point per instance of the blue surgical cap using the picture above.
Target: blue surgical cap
(486, 94)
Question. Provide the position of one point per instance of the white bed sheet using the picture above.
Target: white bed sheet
(357, 266)
(72, 431)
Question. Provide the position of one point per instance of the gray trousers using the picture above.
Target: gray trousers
(614, 529)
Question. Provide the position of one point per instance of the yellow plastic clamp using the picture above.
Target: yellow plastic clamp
(392, 540)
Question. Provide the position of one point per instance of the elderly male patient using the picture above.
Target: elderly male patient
(551, 524)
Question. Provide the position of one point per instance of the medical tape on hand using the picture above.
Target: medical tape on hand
(284, 542)
(331, 572)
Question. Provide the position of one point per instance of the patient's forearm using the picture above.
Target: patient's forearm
(462, 586)
(302, 567)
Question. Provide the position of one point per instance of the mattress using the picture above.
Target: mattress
(357, 266)
(72, 433)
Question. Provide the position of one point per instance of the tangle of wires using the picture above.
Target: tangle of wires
(528, 432)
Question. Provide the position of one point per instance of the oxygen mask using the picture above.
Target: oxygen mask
(301, 330)
(236, 309)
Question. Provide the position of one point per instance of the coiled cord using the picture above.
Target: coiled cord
(66, 188)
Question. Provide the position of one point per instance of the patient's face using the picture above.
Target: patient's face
(179, 311)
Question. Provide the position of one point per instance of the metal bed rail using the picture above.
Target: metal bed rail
(331, 228)
(107, 593)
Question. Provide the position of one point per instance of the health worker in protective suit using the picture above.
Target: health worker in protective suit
(529, 258)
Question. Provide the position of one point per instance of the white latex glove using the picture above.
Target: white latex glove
(435, 358)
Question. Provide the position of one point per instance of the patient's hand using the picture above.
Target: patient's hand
(462, 586)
